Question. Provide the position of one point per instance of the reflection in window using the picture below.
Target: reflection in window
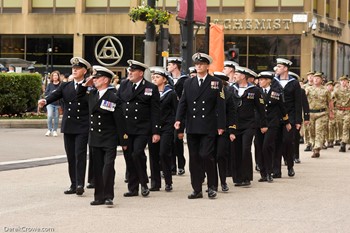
(107, 6)
(322, 56)
(11, 6)
(53, 6)
(343, 59)
(12, 47)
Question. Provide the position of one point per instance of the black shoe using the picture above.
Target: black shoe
(212, 193)
(97, 202)
(80, 190)
(337, 143)
(224, 187)
(181, 172)
(342, 147)
(131, 194)
(291, 172)
(109, 201)
(277, 175)
(330, 145)
(269, 179)
(144, 191)
(90, 186)
(297, 161)
(216, 189)
(257, 168)
(263, 179)
(242, 184)
(195, 195)
(301, 140)
(154, 189)
(324, 147)
(308, 148)
(168, 187)
(70, 191)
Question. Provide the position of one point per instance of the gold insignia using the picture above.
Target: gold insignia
(125, 136)
(232, 127)
(222, 94)
(261, 100)
(285, 117)
(75, 61)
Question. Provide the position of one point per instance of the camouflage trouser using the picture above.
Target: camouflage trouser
(307, 137)
(318, 125)
(339, 124)
(345, 117)
(331, 130)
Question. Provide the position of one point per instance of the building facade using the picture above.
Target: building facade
(314, 34)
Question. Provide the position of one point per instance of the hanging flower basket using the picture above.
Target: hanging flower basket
(149, 14)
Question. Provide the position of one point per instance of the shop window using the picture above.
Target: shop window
(10, 6)
(12, 46)
(343, 60)
(322, 56)
(53, 6)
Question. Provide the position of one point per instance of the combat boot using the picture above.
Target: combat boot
(337, 143)
(330, 145)
(316, 153)
(342, 147)
(308, 148)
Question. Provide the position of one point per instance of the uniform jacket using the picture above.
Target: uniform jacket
(274, 105)
(107, 122)
(203, 106)
(292, 98)
(179, 86)
(305, 105)
(231, 116)
(75, 118)
(246, 104)
(168, 106)
(141, 108)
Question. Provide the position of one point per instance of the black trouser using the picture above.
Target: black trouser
(243, 170)
(135, 159)
(258, 147)
(297, 144)
(285, 146)
(104, 172)
(154, 162)
(91, 179)
(76, 150)
(221, 158)
(201, 150)
(178, 152)
(268, 145)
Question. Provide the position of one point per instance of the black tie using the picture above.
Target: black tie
(134, 87)
(200, 81)
(76, 87)
(265, 91)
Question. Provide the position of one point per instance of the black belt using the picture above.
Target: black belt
(317, 110)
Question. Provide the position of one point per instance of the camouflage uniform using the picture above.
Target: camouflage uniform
(319, 98)
(306, 128)
(342, 98)
(331, 128)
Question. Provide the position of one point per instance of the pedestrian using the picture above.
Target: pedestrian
(248, 102)
(107, 130)
(141, 107)
(161, 152)
(75, 123)
(202, 107)
(53, 108)
(291, 90)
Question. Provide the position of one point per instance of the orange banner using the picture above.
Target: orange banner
(216, 47)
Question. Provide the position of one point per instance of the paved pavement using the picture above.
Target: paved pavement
(317, 199)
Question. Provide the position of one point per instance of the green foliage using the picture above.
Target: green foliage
(19, 92)
(150, 15)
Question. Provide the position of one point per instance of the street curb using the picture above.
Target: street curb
(26, 123)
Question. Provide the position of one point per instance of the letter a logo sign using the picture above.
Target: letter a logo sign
(111, 51)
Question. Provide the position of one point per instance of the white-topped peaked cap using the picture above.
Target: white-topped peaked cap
(202, 57)
(294, 75)
(78, 61)
(100, 71)
(283, 61)
(221, 75)
(242, 70)
(137, 65)
(251, 73)
(175, 60)
(158, 70)
(192, 69)
(231, 64)
(266, 74)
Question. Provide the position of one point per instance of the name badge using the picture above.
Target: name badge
(214, 85)
(107, 105)
(148, 91)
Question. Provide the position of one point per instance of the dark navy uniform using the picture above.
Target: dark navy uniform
(142, 112)
(203, 108)
(292, 97)
(277, 118)
(249, 101)
(75, 127)
(107, 130)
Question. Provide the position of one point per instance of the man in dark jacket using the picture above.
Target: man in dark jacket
(107, 128)
(202, 106)
(75, 123)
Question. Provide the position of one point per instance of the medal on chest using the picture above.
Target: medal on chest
(107, 105)
(148, 91)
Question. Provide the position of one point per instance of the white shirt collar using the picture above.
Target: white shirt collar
(137, 84)
(198, 78)
(102, 92)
